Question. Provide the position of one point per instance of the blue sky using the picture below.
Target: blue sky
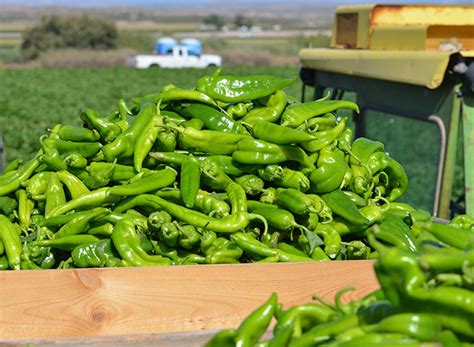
(105, 3)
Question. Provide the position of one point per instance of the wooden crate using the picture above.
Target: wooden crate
(157, 300)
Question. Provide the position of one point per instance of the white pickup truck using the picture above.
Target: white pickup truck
(178, 58)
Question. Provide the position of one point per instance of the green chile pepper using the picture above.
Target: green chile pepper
(11, 242)
(7, 205)
(152, 182)
(189, 180)
(255, 325)
(324, 138)
(206, 203)
(278, 134)
(194, 123)
(80, 223)
(127, 243)
(145, 141)
(296, 114)
(177, 94)
(55, 197)
(25, 208)
(241, 88)
(296, 201)
(330, 172)
(12, 166)
(189, 237)
(213, 119)
(108, 131)
(166, 140)
(67, 243)
(12, 181)
(274, 107)
(343, 206)
(124, 144)
(73, 184)
(169, 233)
(95, 254)
(251, 184)
(238, 110)
(158, 218)
(70, 133)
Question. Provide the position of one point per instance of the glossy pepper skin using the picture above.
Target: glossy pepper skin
(237, 220)
(108, 131)
(73, 184)
(55, 196)
(85, 149)
(80, 223)
(127, 244)
(12, 166)
(66, 243)
(324, 138)
(272, 110)
(11, 242)
(124, 144)
(242, 88)
(25, 208)
(278, 134)
(238, 110)
(213, 176)
(285, 177)
(452, 306)
(251, 151)
(145, 141)
(205, 202)
(251, 184)
(304, 316)
(152, 182)
(255, 325)
(330, 172)
(51, 156)
(178, 94)
(296, 201)
(450, 235)
(12, 180)
(209, 141)
(212, 118)
(190, 179)
(95, 198)
(296, 114)
(95, 254)
(343, 206)
(70, 133)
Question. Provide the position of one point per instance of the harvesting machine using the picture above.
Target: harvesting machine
(411, 70)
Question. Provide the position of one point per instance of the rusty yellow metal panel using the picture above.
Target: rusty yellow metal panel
(399, 37)
(425, 68)
(422, 14)
(351, 27)
(456, 35)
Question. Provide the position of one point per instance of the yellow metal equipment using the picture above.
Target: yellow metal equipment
(403, 27)
(414, 61)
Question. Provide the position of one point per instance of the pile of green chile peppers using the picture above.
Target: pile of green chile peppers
(426, 299)
(233, 171)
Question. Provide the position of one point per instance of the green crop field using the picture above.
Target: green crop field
(33, 100)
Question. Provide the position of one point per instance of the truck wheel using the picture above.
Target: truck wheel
(154, 66)
(212, 65)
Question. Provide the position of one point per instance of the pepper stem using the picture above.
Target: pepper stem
(252, 216)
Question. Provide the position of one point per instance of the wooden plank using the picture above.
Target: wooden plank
(114, 301)
(188, 339)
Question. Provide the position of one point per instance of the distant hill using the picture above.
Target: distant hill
(176, 3)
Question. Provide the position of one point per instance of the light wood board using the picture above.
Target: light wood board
(156, 300)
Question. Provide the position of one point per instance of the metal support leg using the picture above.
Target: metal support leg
(442, 153)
